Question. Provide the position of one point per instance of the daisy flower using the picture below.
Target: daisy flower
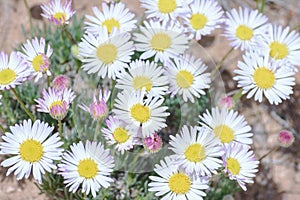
(261, 76)
(55, 103)
(98, 108)
(13, 72)
(144, 74)
(187, 77)
(173, 183)
(228, 126)
(203, 17)
(244, 27)
(113, 16)
(105, 54)
(88, 165)
(164, 9)
(240, 163)
(282, 43)
(57, 12)
(117, 133)
(37, 56)
(196, 150)
(34, 147)
(61, 82)
(162, 40)
(141, 111)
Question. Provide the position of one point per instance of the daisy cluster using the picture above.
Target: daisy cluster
(147, 62)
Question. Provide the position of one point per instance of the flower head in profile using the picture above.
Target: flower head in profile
(203, 17)
(163, 40)
(37, 56)
(13, 71)
(260, 76)
(98, 109)
(285, 138)
(226, 102)
(87, 165)
(153, 143)
(61, 82)
(245, 27)
(196, 150)
(35, 148)
(55, 103)
(118, 133)
(113, 16)
(106, 54)
(187, 77)
(240, 163)
(141, 111)
(57, 12)
(227, 125)
(173, 183)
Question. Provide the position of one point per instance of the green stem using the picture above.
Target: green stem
(48, 81)
(2, 129)
(262, 8)
(29, 15)
(22, 104)
(221, 62)
(268, 153)
(60, 130)
(111, 102)
(98, 125)
(69, 35)
(257, 4)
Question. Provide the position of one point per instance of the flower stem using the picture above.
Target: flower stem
(2, 129)
(60, 128)
(268, 153)
(22, 104)
(221, 62)
(48, 81)
(263, 3)
(29, 15)
(69, 35)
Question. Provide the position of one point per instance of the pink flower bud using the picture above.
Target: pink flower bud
(285, 138)
(153, 143)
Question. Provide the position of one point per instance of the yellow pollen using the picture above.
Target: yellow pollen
(31, 150)
(184, 79)
(87, 168)
(167, 6)
(142, 81)
(37, 62)
(198, 21)
(140, 113)
(195, 153)
(60, 16)
(121, 135)
(278, 50)
(56, 103)
(233, 166)
(110, 24)
(264, 78)
(160, 42)
(244, 32)
(225, 133)
(107, 53)
(7, 76)
(180, 183)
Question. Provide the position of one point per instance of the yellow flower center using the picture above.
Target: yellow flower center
(167, 6)
(195, 153)
(7, 76)
(87, 168)
(110, 24)
(107, 53)
(160, 42)
(198, 21)
(184, 79)
(142, 81)
(233, 166)
(37, 62)
(56, 103)
(121, 135)
(140, 113)
(225, 133)
(180, 183)
(31, 150)
(278, 50)
(60, 16)
(264, 78)
(244, 32)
